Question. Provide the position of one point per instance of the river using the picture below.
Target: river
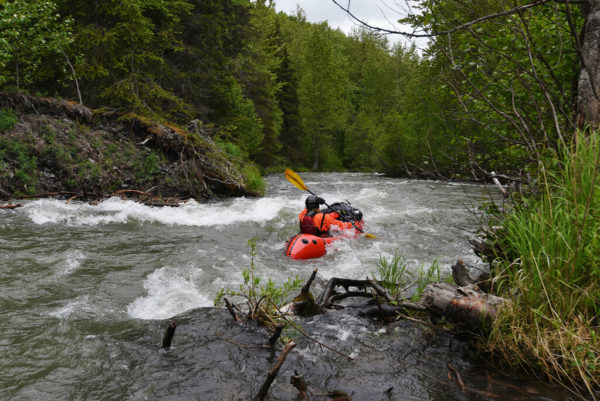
(87, 290)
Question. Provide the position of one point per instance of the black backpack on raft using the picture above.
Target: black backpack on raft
(347, 212)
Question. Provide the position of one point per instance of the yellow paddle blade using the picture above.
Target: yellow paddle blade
(295, 179)
(370, 236)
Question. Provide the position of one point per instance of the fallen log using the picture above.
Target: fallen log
(465, 305)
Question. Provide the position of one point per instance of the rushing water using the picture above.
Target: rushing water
(86, 291)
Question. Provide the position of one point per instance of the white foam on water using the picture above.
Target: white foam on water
(80, 303)
(73, 259)
(170, 291)
(191, 213)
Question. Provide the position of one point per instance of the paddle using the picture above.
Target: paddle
(298, 183)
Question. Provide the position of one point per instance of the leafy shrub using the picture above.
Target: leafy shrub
(253, 179)
(264, 302)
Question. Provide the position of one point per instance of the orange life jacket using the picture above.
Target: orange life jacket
(308, 225)
(318, 223)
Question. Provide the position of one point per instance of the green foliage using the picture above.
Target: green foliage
(254, 294)
(257, 68)
(506, 77)
(253, 179)
(550, 257)
(8, 120)
(25, 172)
(323, 93)
(30, 31)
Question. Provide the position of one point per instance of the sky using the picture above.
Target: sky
(383, 13)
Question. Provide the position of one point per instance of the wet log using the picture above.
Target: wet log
(465, 305)
(262, 393)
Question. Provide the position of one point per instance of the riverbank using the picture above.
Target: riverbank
(545, 253)
(55, 146)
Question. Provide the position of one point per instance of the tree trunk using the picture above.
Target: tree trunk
(588, 91)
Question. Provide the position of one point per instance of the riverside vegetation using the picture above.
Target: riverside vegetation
(548, 263)
(494, 91)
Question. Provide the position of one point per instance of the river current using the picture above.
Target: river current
(87, 291)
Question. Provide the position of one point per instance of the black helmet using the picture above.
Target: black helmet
(313, 202)
(357, 215)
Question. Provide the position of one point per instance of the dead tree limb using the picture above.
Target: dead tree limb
(306, 287)
(277, 334)
(304, 303)
(232, 311)
(262, 393)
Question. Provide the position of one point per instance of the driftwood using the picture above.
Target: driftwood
(262, 393)
(464, 304)
(232, 311)
(7, 207)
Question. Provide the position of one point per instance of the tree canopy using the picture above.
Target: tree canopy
(277, 90)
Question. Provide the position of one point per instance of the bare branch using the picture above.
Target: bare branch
(476, 21)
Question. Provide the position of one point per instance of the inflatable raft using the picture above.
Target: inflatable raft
(308, 246)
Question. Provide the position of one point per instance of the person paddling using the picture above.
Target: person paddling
(314, 221)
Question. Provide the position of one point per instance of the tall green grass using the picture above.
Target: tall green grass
(551, 272)
(396, 278)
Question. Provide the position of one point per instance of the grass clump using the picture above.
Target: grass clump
(551, 270)
(396, 278)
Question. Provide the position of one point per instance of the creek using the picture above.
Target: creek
(87, 291)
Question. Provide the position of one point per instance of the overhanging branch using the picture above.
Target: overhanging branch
(515, 10)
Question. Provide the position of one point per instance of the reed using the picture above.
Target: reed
(396, 278)
(551, 270)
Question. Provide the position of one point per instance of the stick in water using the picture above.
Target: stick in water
(168, 337)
